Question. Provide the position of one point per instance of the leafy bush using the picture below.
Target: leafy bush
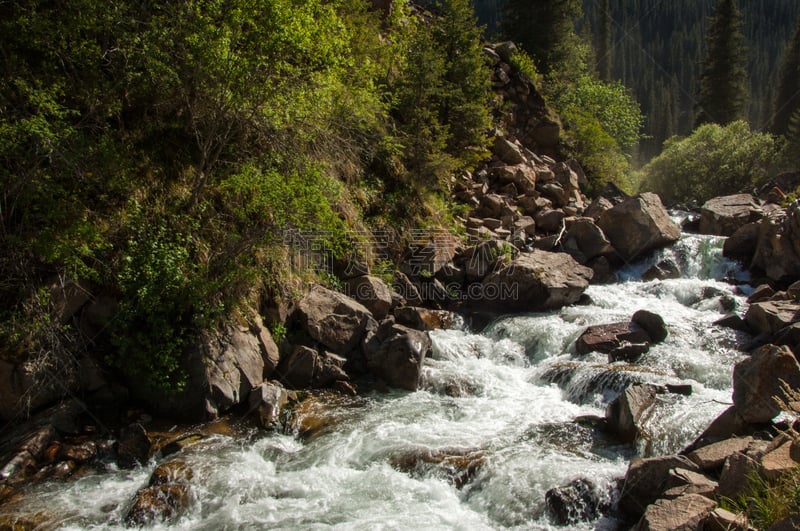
(714, 160)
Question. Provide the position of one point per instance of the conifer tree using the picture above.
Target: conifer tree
(604, 42)
(787, 101)
(723, 85)
(545, 29)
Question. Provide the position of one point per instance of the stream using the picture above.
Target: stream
(498, 407)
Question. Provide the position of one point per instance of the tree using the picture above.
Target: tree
(604, 42)
(787, 101)
(545, 29)
(714, 160)
(723, 84)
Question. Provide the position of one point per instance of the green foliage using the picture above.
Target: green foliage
(521, 62)
(767, 502)
(714, 160)
(545, 30)
(723, 84)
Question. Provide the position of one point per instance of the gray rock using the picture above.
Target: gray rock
(397, 355)
(549, 220)
(778, 250)
(425, 319)
(735, 475)
(508, 151)
(373, 293)
(638, 225)
(306, 368)
(682, 482)
(587, 239)
(757, 381)
(266, 401)
(333, 319)
(538, 280)
(742, 244)
(723, 216)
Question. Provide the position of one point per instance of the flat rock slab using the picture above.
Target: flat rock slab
(682, 482)
(713, 456)
(684, 513)
(769, 317)
(646, 479)
(606, 338)
(724, 215)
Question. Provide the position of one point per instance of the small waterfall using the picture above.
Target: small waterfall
(502, 416)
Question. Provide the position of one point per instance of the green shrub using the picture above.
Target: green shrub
(714, 160)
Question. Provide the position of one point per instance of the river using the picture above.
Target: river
(501, 404)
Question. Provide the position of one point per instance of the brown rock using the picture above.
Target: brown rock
(586, 240)
(723, 216)
(307, 368)
(682, 482)
(790, 523)
(638, 225)
(685, 513)
(157, 504)
(267, 400)
(757, 381)
(778, 251)
(425, 319)
(398, 357)
(652, 323)
(605, 338)
(578, 501)
(373, 293)
(742, 244)
(626, 413)
(778, 462)
(646, 479)
(549, 220)
(508, 151)
(713, 456)
(769, 317)
(534, 281)
(723, 520)
(333, 319)
(735, 475)
(763, 292)
(133, 446)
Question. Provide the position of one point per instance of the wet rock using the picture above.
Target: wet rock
(457, 465)
(318, 412)
(757, 381)
(373, 293)
(627, 412)
(652, 323)
(333, 319)
(680, 389)
(665, 269)
(158, 503)
(606, 338)
(769, 317)
(538, 280)
(683, 513)
(646, 480)
(628, 352)
(682, 482)
(638, 225)
(133, 446)
(425, 319)
(266, 401)
(723, 216)
(734, 322)
(713, 456)
(398, 358)
(603, 271)
(742, 244)
(80, 453)
(579, 501)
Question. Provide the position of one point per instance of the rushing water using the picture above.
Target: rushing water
(505, 400)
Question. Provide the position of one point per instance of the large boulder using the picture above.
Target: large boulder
(646, 479)
(396, 353)
(584, 240)
(713, 456)
(638, 225)
(333, 319)
(373, 293)
(165, 498)
(742, 244)
(778, 251)
(652, 323)
(539, 280)
(307, 368)
(626, 413)
(757, 381)
(770, 317)
(508, 151)
(725, 215)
